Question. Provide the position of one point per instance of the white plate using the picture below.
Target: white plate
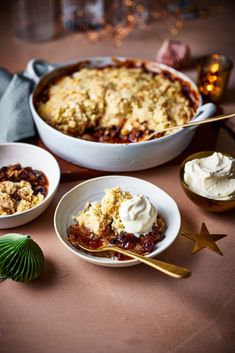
(93, 190)
(37, 158)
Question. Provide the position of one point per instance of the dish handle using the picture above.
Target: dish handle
(36, 68)
(205, 111)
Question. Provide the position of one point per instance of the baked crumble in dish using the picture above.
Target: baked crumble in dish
(116, 104)
(131, 223)
(21, 188)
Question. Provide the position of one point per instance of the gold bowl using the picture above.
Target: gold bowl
(213, 205)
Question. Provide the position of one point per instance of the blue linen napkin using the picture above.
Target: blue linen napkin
(16, 121)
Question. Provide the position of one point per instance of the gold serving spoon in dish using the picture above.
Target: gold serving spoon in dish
(193, 123)
(167, 268)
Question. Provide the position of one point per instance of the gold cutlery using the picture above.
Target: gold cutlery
(167, 268)
(192, 123)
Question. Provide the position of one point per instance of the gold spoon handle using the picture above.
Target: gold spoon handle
(193, 123)
(167, 268)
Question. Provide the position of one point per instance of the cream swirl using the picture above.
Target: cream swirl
(213, 176)
(138, 215)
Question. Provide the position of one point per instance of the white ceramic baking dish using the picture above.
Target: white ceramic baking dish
(108, 156)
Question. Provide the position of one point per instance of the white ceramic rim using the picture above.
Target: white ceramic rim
(50, 191)
(113, 145)
(108, 261)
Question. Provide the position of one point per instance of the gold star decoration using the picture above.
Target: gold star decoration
(205, 240)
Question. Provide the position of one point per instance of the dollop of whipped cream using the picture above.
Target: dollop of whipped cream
(138, 215)
(213, 176)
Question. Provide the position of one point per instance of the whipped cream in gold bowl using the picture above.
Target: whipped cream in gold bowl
(208, 179)
(212, 176)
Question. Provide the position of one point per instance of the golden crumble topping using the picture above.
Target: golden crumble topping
(23, 199)
(21, 188)
(111, 203)
(96, 216)
(92, 217)
(127, 99)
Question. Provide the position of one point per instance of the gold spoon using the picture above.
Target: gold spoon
(193, 123)
(167, 268)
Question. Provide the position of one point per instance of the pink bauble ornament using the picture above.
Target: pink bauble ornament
(174, 53)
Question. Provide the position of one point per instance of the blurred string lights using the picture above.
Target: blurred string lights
(122, 17)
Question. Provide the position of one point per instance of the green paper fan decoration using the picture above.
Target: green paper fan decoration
(21, 258)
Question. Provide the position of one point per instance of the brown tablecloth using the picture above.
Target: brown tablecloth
(78, 307)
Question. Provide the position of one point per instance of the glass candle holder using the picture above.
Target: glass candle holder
(83, 15)
(36, 21)
(213, 74)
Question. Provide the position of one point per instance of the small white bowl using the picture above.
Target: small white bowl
(93, 190)
(37, 158)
